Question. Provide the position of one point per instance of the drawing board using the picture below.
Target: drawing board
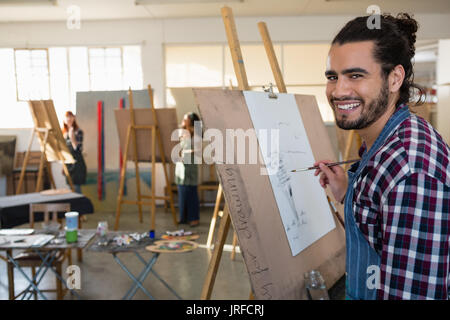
(301, 201)
(275, 273)
(167, 121)
(44, 116)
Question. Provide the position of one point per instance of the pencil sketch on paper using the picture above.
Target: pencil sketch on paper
(301, 201)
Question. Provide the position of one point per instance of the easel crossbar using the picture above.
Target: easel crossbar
(145, 203)
(156, 197)
(143, 127)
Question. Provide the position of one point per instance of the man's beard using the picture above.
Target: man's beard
(369, 114)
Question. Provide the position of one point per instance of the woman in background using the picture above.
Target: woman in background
(74, 140)
(186, 173)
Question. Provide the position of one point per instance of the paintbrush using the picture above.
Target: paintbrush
(328, 165)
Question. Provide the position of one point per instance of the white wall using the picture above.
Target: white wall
(152, 34)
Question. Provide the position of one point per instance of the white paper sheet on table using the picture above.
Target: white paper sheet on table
(302, 202)
(16, 232)
(31, 241)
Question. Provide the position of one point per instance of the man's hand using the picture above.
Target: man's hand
(334, 176)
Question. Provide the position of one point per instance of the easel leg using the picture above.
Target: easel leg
(138, 179)
(138, 190)
(153, 190)
(50, 174)
(212, 226)
(166, 176)
(353, 136)
(168, 183)
(41, 164)
(25, 163)
(69, 178)
(122, 180)
(348, 147)
(217, 255)
(10, 267)
(233, 251)
(336, 213)
(80, 251)
(169, 189)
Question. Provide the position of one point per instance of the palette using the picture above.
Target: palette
(172, 246)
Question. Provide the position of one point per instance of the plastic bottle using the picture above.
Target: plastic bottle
(315, 286)
(102, 231)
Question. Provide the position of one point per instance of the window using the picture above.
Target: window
(302, 65)
(78, 72)
(32, 74)
(105, 69)
(58, 73)
(194, 66)
(256, 64)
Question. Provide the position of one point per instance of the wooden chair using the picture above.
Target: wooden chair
(209, 185)
(31, 259)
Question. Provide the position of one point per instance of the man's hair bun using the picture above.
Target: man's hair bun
(408, 27)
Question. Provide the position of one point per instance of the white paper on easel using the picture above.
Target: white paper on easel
(301, 201)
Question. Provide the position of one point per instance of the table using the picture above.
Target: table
(14, 210)
(134, 247)
(47, 253)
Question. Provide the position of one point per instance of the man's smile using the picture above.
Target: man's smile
(346, 106)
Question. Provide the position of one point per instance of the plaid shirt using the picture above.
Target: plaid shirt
(401, 205)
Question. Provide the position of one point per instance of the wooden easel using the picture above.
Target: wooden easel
(239, 68)
(131, 139)
(352, 136)
(44, 134)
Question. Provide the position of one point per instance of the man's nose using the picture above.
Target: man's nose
(342, 88)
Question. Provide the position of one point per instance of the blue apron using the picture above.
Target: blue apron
(362, 260)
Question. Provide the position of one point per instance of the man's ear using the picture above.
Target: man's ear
(396, 78)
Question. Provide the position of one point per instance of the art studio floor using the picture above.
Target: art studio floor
(103, 279)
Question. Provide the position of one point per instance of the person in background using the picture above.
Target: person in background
(74, 140)
(186, 173)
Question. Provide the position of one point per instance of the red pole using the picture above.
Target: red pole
(99, 150)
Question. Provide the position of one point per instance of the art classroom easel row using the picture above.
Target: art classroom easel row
(239, 68)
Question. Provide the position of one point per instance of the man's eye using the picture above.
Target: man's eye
(356, 76)
(331, 78)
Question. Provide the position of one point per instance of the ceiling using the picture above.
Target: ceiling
(126, 9)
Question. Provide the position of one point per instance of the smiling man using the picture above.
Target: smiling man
(397, 197)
